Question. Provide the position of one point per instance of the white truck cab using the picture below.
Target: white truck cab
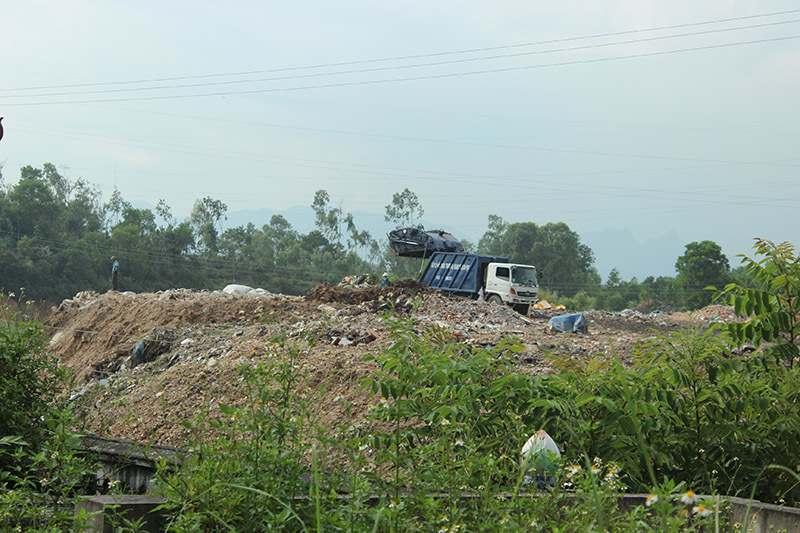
(513, 284)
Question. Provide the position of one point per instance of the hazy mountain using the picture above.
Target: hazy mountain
(302, 220)
(613, 248)
(618, 248)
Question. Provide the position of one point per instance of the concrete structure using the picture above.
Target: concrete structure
(132, 464)
(759, 517)
(109, 511)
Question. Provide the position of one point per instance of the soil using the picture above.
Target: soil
(145, 363)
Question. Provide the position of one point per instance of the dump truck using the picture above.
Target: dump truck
(490, 276)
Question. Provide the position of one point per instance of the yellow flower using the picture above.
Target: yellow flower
(651, 499)
(701, 511)
(688, 498)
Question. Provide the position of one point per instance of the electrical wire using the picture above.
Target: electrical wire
(399, 67)
(410, 78)
(416, 56)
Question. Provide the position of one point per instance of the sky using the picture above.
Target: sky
(655, 117)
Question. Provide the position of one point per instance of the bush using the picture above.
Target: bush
(440, 451)
(29, 378)
(772, 311)
(687, 410)
(40, 468)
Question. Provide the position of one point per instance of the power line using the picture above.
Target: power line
(411, 78)
(260, 157)
(371, 170)
(399, 67)
(415, 56)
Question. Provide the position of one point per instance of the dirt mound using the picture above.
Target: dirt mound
(355, 295)
(145, 363)
(648, 306)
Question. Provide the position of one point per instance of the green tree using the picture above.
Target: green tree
(113, 208)
(404, 209)
(327, 219)
(702, 265)
(773, 312)
(206, 217)
(565, 263)
(28, 377)
(492, 240)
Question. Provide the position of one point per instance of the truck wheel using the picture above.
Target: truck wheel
(495, 299)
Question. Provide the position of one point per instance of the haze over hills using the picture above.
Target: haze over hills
(613, 248)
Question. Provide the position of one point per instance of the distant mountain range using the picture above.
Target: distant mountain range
(618, 248)
(613, 248)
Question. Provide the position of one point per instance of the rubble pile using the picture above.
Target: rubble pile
(145, 363)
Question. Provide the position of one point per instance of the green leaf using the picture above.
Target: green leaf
(627, 425)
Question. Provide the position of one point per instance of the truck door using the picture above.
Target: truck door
(498, 280)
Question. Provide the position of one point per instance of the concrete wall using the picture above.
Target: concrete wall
(109, 511)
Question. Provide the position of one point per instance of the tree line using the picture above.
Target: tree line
(57, 237)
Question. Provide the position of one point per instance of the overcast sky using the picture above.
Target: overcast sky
(655, 116)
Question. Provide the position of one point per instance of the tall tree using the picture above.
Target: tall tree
(492, 240)
(327, 219)
(565, 263)
(404, 209)
(702, 265)
(206, 217)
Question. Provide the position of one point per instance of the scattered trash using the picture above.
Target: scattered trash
(544, 304)
(187, 342)
(540, 459)
(573, 323)
(233, 288)
(236, 289)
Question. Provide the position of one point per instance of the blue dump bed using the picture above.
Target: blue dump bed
(457, 272)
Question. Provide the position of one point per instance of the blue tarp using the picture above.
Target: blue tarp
(575, 322)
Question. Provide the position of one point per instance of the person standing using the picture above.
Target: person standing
(114, 272)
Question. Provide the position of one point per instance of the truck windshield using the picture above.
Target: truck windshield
(524, 275)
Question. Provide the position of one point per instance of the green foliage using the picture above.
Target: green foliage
(686, 411)
(206, 217)
(702, 265)
(580, 302)
(56, 239)
(404, 209)
(41, 471)
(556, 251)
(773, 310)
(28, 377)
(440, 451)
(246, 477)
(39, 484)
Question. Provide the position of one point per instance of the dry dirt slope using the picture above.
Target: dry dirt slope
(194, 342)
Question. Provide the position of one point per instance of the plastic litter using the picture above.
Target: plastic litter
(237, 289)
(540, 459)
(573, 323)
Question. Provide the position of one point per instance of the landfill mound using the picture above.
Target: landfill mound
(357, 294)
(145, 363)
